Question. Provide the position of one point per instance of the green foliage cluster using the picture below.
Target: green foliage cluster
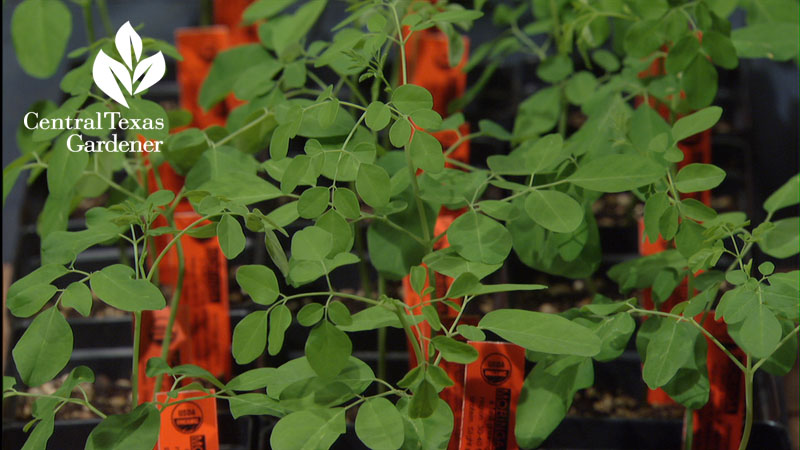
(343, 157)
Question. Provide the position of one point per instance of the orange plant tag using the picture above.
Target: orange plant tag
(491, 389)
(191, 425)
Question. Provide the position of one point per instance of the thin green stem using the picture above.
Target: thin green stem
(174, 304)
(404, 70)
(174, 240)
(137, 337)
(423, 217)
(335, 294)
(88, 21)
(77, 401)
(688, 429)
(116, 186)
(460, 141)
(748, 401)
(401, 315)
(397, 227)
(246, 127)
(381, 339)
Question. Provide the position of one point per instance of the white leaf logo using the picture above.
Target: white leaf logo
(109, 74)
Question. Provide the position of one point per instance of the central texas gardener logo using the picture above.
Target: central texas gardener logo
(109, 74)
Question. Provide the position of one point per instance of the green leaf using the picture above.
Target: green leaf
(231, 237)
(697, 210)
(372, 184)
(689, 239)
(28, 294)
(346, 203)
(418, 277)
(773, 40)
(260, 282)
(250, 337)
(241, 188)
(643, 38)
(184, 148)
(471, 333)
(782, 241)
(257, 80)
(786, 195)
(379, 425)
(62, 247)
(696, 122)
(311, 244)
(327, 349)
(454, 351)
(8, 383)
(554, 210)
(484, 289)
(65, 167)
(295, 172)
(464, 284)
(313, 202)
(699, 81)
(41, 434)
(339, 314)
(616, 173)
(547, 395)
(427, 119)
(544, 154)
(310, 314)
(79, 297)
(760, 332)
(143, 110)
(136, 430)
(254, 404)
(541, 332)
(264, 9)
(409, 98)
(400, 133)
(291, 29)
(430, 433)
(720, 48)
(40, 30)
(580, 87)
(493, 129)
(308, 429)
(555, 68)
(432, 317)
(378, 115)
(667, 350)
(690, 386)
(782, 360)
(699, 177)
(228, 66)
(44, 349)
(682, 54)
(654, 208)
(252, 379)
(605, 59)
(423, 403)
(426, 152)
(115, 285)
(279, 320)
(479, 238)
